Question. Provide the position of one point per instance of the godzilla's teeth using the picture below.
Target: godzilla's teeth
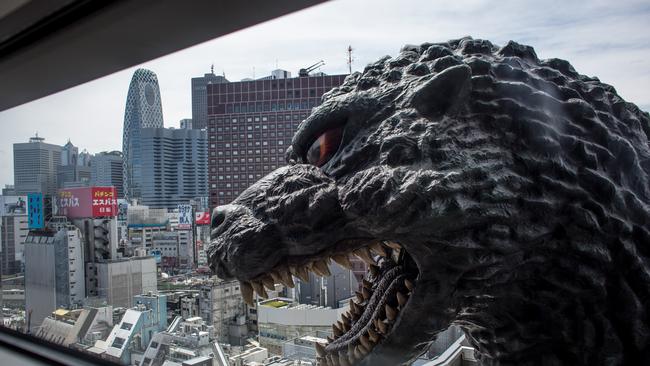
(409, 285)
(364, 350)
(303, 273)
(336, 330)
(320, 349)
(401, 299)
(246, 292)
(354, 307)
(365, 341)
(379, 249)
(268, 282)
(367, 284)
(320, 268)
(346, 319)
(374, 270)
(374, 337)
(381, 326)
(366, 293)
(364, 255)
(346, 326)
(359, 296)
(285, 277)
(391, 312)
(357, 353)
(343, 260)
(275, 276)
(259, 288)
(334, 360)
(300, 272)
(393, 245)
(343, 359)
(356, 317)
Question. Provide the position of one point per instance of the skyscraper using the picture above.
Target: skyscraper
(106, 170)
(251, 123)
(143, 110)
(199, 98)
(35, 166)
(174, 166)
(74, 168)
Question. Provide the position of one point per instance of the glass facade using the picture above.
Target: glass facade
(143, 110)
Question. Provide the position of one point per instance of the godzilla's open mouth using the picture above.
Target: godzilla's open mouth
(374, 311)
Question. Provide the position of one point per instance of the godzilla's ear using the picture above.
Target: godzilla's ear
(444, 92)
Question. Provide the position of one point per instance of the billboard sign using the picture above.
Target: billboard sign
(122, 210)
(104, 201)
(184, 217)
(87, 202)
(202, 218)
(35, 211)
(13, 205)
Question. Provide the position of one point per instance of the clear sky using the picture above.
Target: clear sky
(608, 39)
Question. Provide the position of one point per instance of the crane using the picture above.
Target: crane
(308, 69)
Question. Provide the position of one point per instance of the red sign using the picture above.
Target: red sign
(87, 202)
(202, 218)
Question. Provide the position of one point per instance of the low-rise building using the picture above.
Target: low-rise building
(54, 272)
(135, 330)
(119, 280)
(185, 341)
(280, 320)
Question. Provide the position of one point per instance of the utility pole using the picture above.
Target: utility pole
(350, 59)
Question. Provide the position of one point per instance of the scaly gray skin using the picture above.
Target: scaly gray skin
(519, 187)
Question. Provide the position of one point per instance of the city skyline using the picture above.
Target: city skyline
(555, 29)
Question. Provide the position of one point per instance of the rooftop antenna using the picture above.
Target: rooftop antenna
(253, 72)
(350, 59)
(212, 69)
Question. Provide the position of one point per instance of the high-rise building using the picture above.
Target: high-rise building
(251, 123)
(186, 123)
(106, 170)
(35, 166)
(143, 110)
(173, 166)
(54, 272)
(74, 169)
(200, 99)
(13, 231)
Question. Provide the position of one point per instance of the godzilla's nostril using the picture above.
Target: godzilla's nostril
(219, 216)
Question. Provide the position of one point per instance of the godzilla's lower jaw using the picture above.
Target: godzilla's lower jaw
(374, 311)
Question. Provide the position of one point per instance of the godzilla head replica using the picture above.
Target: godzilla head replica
(489, 189)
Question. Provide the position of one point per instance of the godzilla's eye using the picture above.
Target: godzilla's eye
(325, 146)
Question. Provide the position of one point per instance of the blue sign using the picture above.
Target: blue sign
(157, 254)
(35, 211)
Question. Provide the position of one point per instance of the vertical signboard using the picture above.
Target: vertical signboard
(185, 217)
(36, 211)
(122, 210)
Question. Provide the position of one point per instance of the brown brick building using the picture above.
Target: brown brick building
(251, 124)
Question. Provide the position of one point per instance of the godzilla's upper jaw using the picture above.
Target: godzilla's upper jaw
(390, 321)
